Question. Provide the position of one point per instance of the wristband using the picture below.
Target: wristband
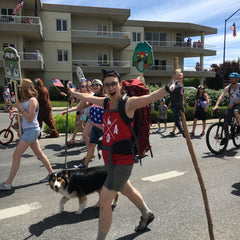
(167, 89)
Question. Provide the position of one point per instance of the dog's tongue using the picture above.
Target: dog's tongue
(57, 190)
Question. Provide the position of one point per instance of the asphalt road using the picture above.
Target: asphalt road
(168, 183)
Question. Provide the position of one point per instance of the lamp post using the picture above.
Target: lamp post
(224, 46)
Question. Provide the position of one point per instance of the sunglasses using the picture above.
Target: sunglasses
(106, 73)
(95, 85)
(202, 88)
(83, 86)
(113, 84)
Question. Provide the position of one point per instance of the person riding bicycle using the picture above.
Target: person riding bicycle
(234, 104)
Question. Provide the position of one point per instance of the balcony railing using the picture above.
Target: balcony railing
(96, 63)
(101, 34)
(19, 19)
(171, 68)
(28, 56)
(196, 44)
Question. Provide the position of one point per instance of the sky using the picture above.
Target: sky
(211, 13)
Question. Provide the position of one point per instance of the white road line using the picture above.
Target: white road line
(237, 157)
(19, 210)
(163, 176)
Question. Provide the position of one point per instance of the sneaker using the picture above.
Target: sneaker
(159, 129)
(81, 165)
(4, 187)
(46, 179)
(223, 142)
(172, 133)
(165, 130)
(144, 223)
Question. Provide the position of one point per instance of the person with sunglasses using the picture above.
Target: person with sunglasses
(96, 115)
(200, 109)
(119, 166)
(81, 114)
(233, 89)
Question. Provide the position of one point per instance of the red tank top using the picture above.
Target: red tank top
(115, 130)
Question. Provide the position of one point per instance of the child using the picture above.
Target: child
(162, 114)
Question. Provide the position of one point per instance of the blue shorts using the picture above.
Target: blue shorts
(96, 133)
(30, 134)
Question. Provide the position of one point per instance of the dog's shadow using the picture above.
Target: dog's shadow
(65, 218)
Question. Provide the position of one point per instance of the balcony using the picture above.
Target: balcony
(184, 48)
(94, 66)
(188, 71)
(30, 26)
(29, 60)
(118, 40)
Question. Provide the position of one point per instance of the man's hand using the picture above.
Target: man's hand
(230, 105)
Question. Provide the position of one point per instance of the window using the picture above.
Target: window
(62, 55)
(61, 25)
(179, 39)
(103, 59)
(156, 38)
(159, 64)
(102, 30)
(136, 36)
(6, 12)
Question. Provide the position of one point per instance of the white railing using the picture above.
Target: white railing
(20, 19)
(171, 68)
(196, 44)
(96, 63)
(101, 34)
(28, 56)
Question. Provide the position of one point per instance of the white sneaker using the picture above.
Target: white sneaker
(4, 187)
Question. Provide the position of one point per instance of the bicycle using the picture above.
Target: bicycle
(218, 135)
(6, 135)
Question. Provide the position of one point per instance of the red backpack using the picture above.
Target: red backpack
(142, 117)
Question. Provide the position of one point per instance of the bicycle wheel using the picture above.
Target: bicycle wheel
(215, 136)
(235, 136)
(6, 136)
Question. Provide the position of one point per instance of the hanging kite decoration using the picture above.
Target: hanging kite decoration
(143, 57)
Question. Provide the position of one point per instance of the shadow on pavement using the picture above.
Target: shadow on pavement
(237, 189)
(133, 235)
(65, 218)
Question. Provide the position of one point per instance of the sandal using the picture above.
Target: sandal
(202, 133)
(191, 133)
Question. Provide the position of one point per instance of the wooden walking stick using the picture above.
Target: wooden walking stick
(196, 166)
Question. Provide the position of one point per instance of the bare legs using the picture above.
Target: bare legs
(20, 149)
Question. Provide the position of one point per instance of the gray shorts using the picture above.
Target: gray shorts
(117, 176)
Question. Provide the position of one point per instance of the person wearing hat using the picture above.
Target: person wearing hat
(200, 109)
(162, 114)
(6, 97)
(233, 89)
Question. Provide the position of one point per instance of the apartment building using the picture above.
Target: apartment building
(95, 38)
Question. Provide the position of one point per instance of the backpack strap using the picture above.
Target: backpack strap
(128, 121)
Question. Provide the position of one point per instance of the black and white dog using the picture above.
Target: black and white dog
(79, 183)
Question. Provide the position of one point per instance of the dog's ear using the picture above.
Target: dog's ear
(51, 176)
(65, 173)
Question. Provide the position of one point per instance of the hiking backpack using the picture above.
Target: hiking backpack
(142, 117)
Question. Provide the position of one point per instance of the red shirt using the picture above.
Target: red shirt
(115, 130)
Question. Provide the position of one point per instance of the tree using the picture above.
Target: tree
(216, 83)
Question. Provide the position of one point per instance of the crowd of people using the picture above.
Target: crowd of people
(95, 122)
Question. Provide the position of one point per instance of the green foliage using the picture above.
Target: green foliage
(60, 123)
(191, 82)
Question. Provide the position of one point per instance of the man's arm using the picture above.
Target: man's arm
(225, 91)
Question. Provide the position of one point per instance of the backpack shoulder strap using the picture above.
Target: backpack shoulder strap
(106, 102)
(122, 111)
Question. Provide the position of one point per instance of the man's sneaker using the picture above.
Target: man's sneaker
(159, 129)
(46, 179)
(224, 140)
(81, 165)
(5, 187)
(144, 223)
(165, 130)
